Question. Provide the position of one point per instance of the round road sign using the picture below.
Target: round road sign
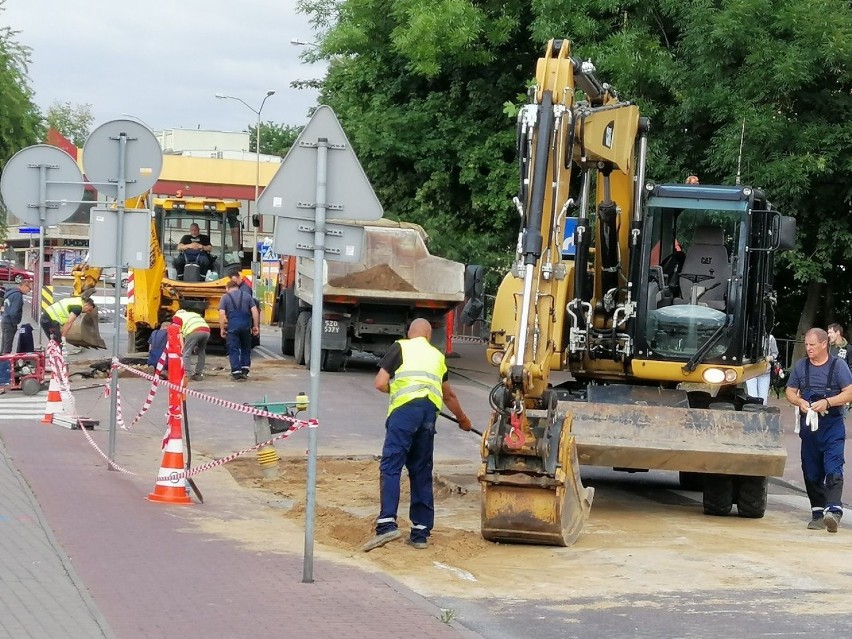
(20, 185)
(142, 164)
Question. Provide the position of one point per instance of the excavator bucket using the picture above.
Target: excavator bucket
(85, 332)
(536, 508)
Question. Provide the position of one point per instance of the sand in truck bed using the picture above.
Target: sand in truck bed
(380, 278)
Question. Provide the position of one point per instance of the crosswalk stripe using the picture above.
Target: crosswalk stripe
(14, 405)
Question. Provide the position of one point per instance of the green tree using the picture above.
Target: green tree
(20, 125)
(275, 139)
(74, 121)
(21, 121)
(419, 88)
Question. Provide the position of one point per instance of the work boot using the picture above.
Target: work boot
(380, 540)
(420, 545)
(197, 377)
(246, 371)
(816, 523)
(832, 521)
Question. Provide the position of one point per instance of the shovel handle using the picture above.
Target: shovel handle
(453, 419)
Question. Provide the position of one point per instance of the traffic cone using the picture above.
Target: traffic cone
(54, 400)
(167, 489)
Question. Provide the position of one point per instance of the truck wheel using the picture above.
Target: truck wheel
(308, 332)
(691, 481)
(288, 315)
(718, 495)
(752, 496)
(333, 361)
(299, 343)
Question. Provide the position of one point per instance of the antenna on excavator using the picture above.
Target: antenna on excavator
(740, 158)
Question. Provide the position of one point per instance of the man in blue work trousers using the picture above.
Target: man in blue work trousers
(238, 321)
(414, 373)
(819, 386)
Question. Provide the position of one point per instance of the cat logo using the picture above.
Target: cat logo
(706, 260)
(609, 135)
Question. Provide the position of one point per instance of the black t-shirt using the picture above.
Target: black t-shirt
(201, 238)
(393, 360)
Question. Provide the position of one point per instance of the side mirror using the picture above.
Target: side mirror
(473, 276)
(255, 221)
(785, 232)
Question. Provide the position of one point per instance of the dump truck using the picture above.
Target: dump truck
(369, 304)
(658, 303)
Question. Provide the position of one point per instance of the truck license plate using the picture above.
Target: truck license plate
(331, 326)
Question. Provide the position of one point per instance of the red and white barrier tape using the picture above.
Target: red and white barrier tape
(155, 383)
(241, 408)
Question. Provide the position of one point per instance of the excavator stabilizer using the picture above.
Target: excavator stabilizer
(85, 332)
(649, 428)
(530, 507)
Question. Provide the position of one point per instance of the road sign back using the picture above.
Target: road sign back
(21, 185)
(292, 190)
(142, 164)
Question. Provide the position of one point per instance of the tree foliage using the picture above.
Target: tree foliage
(74, 121)
(420, 88)
(21, 121)
(275, 139)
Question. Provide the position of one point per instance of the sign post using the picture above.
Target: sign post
(123, 159)
(303, 191)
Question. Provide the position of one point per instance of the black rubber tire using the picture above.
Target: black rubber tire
(300, 346)
(718, 495)
(288, 314)
(140, 339)
(333, 361)
(752, 496)
(691, 481)
(308, 333)
(30, 386)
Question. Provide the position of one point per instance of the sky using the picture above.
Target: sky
(163, 61)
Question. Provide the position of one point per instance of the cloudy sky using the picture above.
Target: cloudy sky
(164, 60)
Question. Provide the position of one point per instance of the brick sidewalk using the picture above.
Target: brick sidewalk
(151, 575)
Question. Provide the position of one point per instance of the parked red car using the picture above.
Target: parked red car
(9, 272)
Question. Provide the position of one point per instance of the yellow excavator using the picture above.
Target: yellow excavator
(657, 301)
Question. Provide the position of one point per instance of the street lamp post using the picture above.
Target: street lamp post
(255, 267)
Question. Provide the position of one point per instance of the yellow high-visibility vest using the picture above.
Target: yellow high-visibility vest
(421, 374)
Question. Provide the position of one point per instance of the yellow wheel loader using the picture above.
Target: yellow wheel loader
(657, 298)
(172, 283)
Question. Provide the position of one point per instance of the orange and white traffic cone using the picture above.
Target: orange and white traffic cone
(170, 488)
(54, 400)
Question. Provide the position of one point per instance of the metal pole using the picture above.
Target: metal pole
(113, 382)
(316, 339)
(255, 267)
(42, 212)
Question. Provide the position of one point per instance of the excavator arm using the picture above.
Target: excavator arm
(530, 474)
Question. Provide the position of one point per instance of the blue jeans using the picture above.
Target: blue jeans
(409, 441)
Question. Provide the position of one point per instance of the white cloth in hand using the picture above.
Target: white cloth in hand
(812, 419)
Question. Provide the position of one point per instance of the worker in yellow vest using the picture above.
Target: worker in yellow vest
(196, 334)
(414, 373)
(56, 319)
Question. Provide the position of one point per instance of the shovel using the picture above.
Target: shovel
(453, 419)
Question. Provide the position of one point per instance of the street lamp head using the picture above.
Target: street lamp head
(221, 96)
(270, 93)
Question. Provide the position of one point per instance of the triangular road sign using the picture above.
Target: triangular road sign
(292, 190)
